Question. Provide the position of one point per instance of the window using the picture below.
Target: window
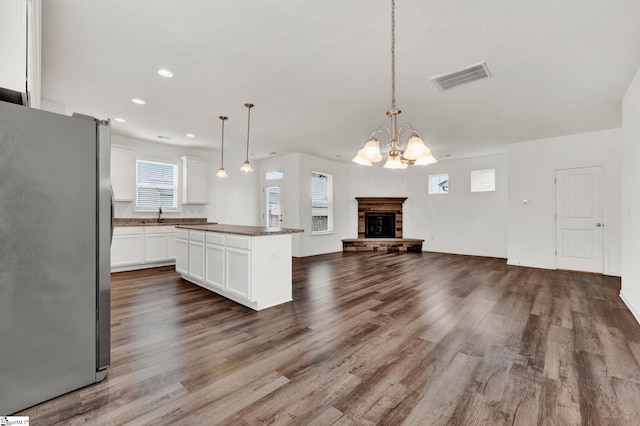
(321, 203)
(156, 185)
(274, 175)
(483, 180)
(439, 184)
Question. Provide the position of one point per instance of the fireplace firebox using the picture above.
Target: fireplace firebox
(380, 224)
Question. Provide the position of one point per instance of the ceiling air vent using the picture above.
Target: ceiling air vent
(460, 77)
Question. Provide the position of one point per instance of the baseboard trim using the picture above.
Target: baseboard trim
(529, 265)
(634, 311)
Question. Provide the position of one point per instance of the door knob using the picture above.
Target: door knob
(598, 225)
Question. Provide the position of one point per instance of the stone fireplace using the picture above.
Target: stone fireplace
(379, 205)
(380, 227)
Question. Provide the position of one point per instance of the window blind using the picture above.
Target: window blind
(483, 180)
(156, 185)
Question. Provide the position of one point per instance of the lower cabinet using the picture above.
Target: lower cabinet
(127, 246)
(182, 251)
(215, 265)
(227, 267)
(137, 247)
(196, 255)
(253, 271)
(238, 266)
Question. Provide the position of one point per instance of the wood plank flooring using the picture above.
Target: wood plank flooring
(371, 338)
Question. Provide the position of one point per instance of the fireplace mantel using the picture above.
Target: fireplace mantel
(381, 200)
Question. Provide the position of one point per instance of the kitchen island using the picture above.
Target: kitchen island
(250, 265)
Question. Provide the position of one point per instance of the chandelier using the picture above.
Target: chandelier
(400, 156)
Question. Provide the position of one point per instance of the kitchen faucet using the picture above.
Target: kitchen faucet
(159, 214)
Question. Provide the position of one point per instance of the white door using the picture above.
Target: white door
(273, 205)
(579, 219)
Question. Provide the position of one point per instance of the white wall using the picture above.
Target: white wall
(631, 197)
(236, 198)
(459, 222)
(233, 200)
(13, 42)
(532, 166)
(297, 170)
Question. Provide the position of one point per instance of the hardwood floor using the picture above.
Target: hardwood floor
(371, 338)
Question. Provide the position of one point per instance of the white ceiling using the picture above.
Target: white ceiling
(319, 71)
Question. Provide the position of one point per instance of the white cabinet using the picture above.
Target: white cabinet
(136, 247)
(157, 241)
(171, 246)
(182, 251)
(254, 271)
(123, 173)
(238, 269)
(215, 260)
(238, 266)
(196, 254)
(195, 180)
(127, 246)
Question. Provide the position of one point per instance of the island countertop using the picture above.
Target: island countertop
(252, 231)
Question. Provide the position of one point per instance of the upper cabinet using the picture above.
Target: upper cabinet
(123, 173)
(195, 180)
(20, 41)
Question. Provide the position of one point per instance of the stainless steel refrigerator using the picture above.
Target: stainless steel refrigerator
(55, 229)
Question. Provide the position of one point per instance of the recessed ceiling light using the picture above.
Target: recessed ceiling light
(191, 135)
(165, 73)
(120, 120)
(138, 101)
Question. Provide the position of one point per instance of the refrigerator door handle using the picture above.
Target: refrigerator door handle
(105, 234)
(112, 216)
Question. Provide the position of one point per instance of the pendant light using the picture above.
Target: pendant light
(415, 152)
(221, 173)
(246, 166)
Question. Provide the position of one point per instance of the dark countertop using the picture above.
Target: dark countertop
(253, 231)
(151, 221)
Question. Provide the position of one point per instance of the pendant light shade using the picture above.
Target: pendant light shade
(370, 152)
(221, 172)
(394, 162)
(427, 159)
(246, 166)
(416, 149)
